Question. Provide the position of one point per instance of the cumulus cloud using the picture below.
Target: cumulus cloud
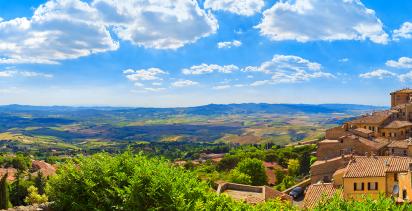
(229, 44)
(160, 24)
(144, 74)
(343, 60)
(58, 30)
(405, 31)
(69, 29)
(209, 68)
(403, 62)
(184, 83)
(239, 7)
(288, 69)
(379, 73)
(311, 20)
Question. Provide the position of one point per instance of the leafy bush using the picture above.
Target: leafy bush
(134, 182)
(367, 203)
(251, 170)
(34, 197)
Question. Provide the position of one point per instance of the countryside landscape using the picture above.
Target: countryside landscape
(209, 105)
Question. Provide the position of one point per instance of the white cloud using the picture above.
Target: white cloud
(260, 83)
(69, 29)
(220, 87)
(405, 77)
(343, 60)
(58, 30)
(403, 62)
(404, 32)
(28, 74)
(209, 68)
(156, 84)
(184, 83)
(379, 73)
(289, 69)
(160, 24)
(311, 20)
(240, 7)
(229, 44)
(144, 74)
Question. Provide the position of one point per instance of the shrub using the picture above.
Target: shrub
(34, 197)
(254, 169)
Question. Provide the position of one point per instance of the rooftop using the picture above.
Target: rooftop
(402, 144)
(316, 192)
(374, 118)
(406, 91)
(376, 166)
(398, 124)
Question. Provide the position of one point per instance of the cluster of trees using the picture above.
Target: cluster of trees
(24, 190)
(297, 159)
(19, 161)
(136, 182)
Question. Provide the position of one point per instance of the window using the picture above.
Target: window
(358, 186)
(372, 186)
(395, 177)
(383, 134)
(404, 153)
(404, 194)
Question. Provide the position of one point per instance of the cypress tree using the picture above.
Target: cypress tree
(4, 193)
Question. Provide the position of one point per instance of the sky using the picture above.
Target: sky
(172, 53)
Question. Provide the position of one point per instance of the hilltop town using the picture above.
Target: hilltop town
(369, 155)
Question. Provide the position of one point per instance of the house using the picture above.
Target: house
(374, 175)
(323, 170)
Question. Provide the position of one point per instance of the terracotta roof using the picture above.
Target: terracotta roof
(363, 130)
(11, 173)
(374, 118)
(399, 144)
(377, 143)
(376, 166)
(398, 124)
(317, 192)
(45, 168)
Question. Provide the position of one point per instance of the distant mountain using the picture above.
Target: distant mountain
(211, 109)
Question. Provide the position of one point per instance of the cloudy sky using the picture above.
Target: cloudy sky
(166, 53)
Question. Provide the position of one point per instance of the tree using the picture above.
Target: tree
(4, 193)
(279, 175)
(40, 182)
(19, 189)
(239, 177)
(33, 196)
(253, 168)
(293, 167)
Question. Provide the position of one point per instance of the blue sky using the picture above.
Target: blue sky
(165, 53)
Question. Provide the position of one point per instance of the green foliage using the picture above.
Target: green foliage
(33, 196)
(40, 182)
(366, 203)
(279, 175)
(313, 159)
(19, 189)
(238, 177)
(4, 193)
(20, 162)
(293, 167)
(286, 183)
(135, 182)
(254, 169)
